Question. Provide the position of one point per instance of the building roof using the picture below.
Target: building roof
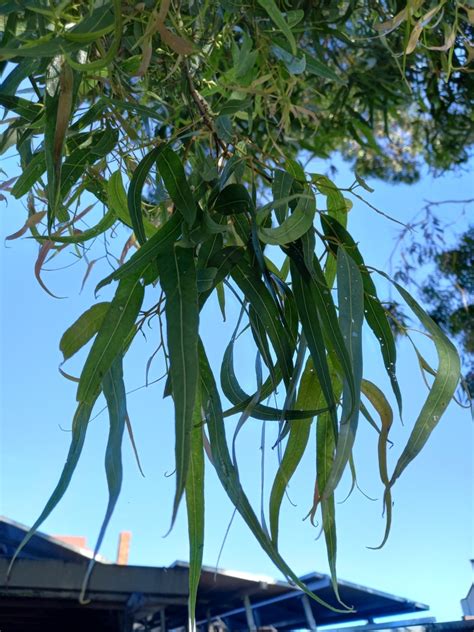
(53, 570)
(278, 604)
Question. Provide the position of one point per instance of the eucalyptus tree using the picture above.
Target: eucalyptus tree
(183, 124)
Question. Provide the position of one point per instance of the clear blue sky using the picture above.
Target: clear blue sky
(427, 555)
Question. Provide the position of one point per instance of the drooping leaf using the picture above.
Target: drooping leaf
(80, 237)
(242, 401)
(160, 242)
(374, 312)
(35, 169)
(233, 198)
(276, 16)
(195, 506)
(114, 391)
(442, 389)
(310, 321)
(178, 281)
(257, 294)
(351, 317)
(229, 477)
(79, 428)
(384, 410)
(309, 397)
(281, 187)
(291, 229)
(174, 177)
(26, 109)
(58, 100)
(83, 330)
(116, 327)
(98, 28)
(100, 145)
(134, 196)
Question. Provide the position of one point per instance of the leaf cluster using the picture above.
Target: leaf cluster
(181, 125)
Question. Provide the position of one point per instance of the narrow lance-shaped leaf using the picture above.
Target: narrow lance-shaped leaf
(383, 408)
(299, 222)
(281, 187)
(303, 289)
(319, 300)
(134, 196)
(114, 391)
(325, 448)
(276, 16)
(195, 507)
(229, 477)
(257, 294)
(79, 429)
(82, 32)
(178, 281)
(241, 400)
(111, 337)
(161, 242)
(442, 389)
(375, 314)
(309, 396)
(79, 237)
(83, 330)
(174, 177)
(324, 462)
(351, 317)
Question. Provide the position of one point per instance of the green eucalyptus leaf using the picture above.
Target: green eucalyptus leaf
(257, 294)
(291, 229)
(109, 343)
(229, 476)
(276, 16)
(134, 196)
(178, 281)
(351, 317)
(281, 187)
(383, 408)
(233, 199)
(146, 255)
(114, 392)
(174, 177)
(26, 109)
(30, 175)
(375, 313)
(195, 506)
(442, 389)
(79, 429)
(83, 330)
(309, 397)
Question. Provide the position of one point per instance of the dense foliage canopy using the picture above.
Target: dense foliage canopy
(184, 124)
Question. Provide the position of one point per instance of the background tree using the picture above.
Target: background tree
(178, 127)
